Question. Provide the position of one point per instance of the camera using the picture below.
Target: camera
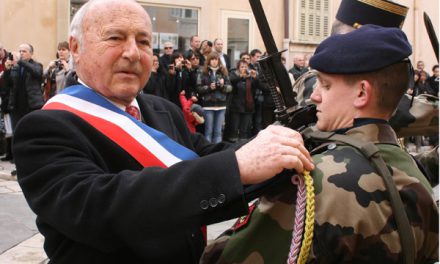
(58, 64)
(10, 56)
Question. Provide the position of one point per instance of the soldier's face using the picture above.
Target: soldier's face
(334, 102)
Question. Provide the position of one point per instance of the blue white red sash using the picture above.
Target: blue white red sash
(145, 144)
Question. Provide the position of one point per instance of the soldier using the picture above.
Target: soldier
(354, 221)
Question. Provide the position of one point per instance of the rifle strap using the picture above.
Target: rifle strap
(371, 152)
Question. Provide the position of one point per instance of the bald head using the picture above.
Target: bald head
(110, 43)
(96, 7)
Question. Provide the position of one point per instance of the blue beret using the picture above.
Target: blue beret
(366, 49)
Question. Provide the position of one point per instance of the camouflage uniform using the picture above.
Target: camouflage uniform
(353, 218)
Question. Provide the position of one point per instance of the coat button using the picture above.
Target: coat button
(213, 202)
(204, 204)
(221, 198)
(331, 146)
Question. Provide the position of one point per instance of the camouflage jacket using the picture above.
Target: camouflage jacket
(353, 217)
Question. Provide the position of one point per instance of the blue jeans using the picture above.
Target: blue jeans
(213, 125)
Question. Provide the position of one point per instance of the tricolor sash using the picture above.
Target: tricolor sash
(145, 144)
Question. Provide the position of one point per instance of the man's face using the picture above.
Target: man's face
(299, 61)
(218, 45)
(255, 58)
(195, 43)
(25, 52)
(436, 72)
(168, 49)
(116, 55)
(420, 65)
(64, 54)
(334, 102)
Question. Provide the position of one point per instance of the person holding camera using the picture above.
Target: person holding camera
(242, 105)
(55, 75)
(177, 78)
(24, 76)
(213, 87)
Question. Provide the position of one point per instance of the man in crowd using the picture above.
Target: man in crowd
(354, 217)
(133, 186)
(420, 67)
(257, 118)
(218, 47)
(24, 77)
(194, 46)
(165, 59)
(433, 80)
(298, 68)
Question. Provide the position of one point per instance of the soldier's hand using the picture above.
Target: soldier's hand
(274, 149)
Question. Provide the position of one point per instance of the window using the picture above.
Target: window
(173, 24)
(313, 21)
(237, 33)
(169, 24)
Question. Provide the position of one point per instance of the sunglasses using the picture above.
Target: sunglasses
(168, 47)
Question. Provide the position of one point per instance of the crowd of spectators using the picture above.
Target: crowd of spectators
(234, 101)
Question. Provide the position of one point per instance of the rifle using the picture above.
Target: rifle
(286, 112)
(277, 76)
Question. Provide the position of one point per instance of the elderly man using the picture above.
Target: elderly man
(165, 59)
(298, 68)
(25, 76)
(354, 208)
(116, 177)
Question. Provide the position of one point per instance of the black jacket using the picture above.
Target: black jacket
(28, 86)
(238, 98)
(97, 204)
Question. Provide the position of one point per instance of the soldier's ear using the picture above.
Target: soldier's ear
(364, 94)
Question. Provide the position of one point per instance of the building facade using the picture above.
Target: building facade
(297, 25)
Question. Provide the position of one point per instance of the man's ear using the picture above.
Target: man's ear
(74, 49)
(364, 94)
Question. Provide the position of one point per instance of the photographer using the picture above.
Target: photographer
(177, 77)
(242, 104)
(55, 75)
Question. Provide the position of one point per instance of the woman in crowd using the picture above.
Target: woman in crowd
(177, 78)
(242, 102)
(422, 86)
(213, 87)
(205, 50)
(56, 72)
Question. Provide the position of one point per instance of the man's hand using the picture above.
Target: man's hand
(274, 149)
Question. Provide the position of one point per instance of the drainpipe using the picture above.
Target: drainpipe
(286, 39)
(415, 30)
(286, 19)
